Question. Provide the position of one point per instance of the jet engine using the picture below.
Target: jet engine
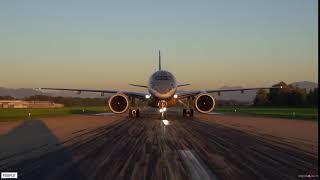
(119, 103)
(204, 103)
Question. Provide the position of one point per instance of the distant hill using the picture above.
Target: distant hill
(22, 93)
(305, 85)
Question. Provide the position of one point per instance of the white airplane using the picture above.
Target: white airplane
(162, 93)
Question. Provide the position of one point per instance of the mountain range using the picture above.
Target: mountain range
(247, 96)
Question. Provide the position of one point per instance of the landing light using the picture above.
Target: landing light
(165, 122)
(162, 109)
(175, 96)
(148, 96)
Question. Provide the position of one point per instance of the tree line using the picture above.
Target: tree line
(7, 98)
(287, 96)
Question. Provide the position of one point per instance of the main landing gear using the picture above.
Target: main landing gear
(162, 114)
(134, 113)
(186, 112)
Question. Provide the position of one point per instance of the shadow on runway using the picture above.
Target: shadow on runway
(28, 149)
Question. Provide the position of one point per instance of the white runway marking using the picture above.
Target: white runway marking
(215, 113)
(104, 114)
(165, 122)
(197, 169)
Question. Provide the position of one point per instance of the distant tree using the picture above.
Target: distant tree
(6, 98)
(312, 97)
(39, 98)
(286, 96)
(279, 96)
(315, 96)
(297, 96)
(261, 98)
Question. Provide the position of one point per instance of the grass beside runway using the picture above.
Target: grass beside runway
(290, 113)
(278, 112)
(8, 114)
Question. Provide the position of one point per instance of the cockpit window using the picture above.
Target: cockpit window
(162, 78)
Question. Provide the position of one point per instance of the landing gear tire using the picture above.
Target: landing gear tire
(191, 113)
(184, 113)
(134, 113)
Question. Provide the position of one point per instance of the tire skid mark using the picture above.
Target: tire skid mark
(293, 161)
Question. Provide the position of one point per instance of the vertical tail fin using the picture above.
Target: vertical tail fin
(159, 60)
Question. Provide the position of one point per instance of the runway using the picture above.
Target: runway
(213, 146)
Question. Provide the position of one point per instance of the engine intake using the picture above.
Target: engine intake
(204, 103)
(118, 103)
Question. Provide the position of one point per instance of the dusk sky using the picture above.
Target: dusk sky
(108, 44)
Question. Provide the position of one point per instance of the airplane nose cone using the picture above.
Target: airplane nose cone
(164, 92)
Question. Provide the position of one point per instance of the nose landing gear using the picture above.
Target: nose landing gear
(132, 111)
(189, 110)
(163, 107)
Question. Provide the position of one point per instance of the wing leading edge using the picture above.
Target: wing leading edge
(102, 92)
(185, 94)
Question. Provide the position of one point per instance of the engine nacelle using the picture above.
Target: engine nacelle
(204, 103)
(119, 103)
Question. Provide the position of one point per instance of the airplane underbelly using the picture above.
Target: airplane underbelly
(170, 102)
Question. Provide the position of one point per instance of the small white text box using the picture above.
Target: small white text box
(9, 175)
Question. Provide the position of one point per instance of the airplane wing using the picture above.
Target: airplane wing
(185, 94)
(102, 92)
(181, 85)
(138, 85)
(240, 89)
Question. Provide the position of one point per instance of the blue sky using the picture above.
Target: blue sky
(107, 44)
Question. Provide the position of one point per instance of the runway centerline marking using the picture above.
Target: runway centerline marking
(215, 113)
(103, 114)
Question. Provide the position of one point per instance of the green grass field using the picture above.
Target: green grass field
(290, 113)
(21, 114)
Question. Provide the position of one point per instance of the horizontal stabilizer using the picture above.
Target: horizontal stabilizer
(137, 85)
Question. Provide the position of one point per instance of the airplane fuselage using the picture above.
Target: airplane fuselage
(162, 87)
